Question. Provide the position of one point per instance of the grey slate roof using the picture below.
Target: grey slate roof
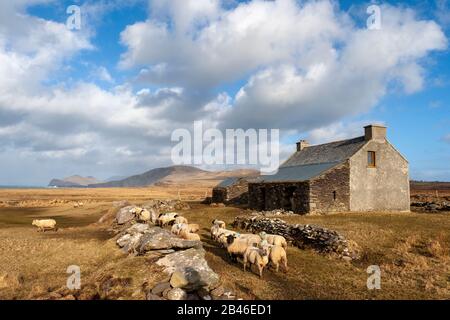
(299, 173)
(232, 180)
(314, 160)
(324, 153)
(227, 182)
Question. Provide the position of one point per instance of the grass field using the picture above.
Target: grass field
(411, 249)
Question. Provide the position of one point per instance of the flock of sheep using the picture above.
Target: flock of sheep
(258, 250)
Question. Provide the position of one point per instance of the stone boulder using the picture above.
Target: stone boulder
(129, 242)
(177, 294)
(189, 270)
(124, 215)
(138, 228)
(157, 238)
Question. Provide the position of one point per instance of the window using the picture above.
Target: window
(334, 195)
(371, 159)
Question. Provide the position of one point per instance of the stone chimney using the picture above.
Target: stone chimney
(375, 132)
(302, 144)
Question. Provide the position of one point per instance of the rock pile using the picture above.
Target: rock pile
(278, 212)
(142, 238)
(163, 206)
(303, 236)
(431, 206)
(189, 276)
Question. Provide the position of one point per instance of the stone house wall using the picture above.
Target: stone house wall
(330, 192)
(236, 193)
(384, 187)
(288, 195)
(219, 195)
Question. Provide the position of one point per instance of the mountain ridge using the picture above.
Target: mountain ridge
(172, 175)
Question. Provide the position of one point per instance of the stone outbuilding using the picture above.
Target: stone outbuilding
(362, 174)
(232, 190)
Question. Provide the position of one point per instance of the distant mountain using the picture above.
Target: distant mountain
(150, 177)
(73, 182)
(168, 176)
(116, 178)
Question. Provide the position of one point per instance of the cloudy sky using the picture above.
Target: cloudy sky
(104, 100)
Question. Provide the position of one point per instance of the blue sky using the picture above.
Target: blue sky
(105, 102)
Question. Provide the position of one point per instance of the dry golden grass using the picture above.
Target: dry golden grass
(411, 249)
(407, 272)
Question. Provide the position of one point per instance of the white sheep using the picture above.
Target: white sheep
(251, 239)
(215, 232)
(180, 219)
(193, 228)
(172, 214)
(223, 240)
(274, 239)
(221, 224)
(256, 256)
(44, 225)
(236, 247)
(136, 211)
(189, 236)
(165, 219)
(144, 215)
(176, 228)
(277, 255)
(220, 235)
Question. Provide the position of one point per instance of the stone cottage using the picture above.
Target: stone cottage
(361, 174)
(232, 190)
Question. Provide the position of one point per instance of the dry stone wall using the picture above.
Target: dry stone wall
(303, 236)
(189, 276)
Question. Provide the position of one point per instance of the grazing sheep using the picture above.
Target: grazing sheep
(236, 246)
(220, 235)
(256, 256)
(165, 219)
(221, 224)
(193, 228)
(189, 236)
(277, 255)
(215, 232)
(222, 240)
(274, 239)
(180, 219)
(143, 216)
(44, 225)
(252, 239)
(176, 228)
(136, 211)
